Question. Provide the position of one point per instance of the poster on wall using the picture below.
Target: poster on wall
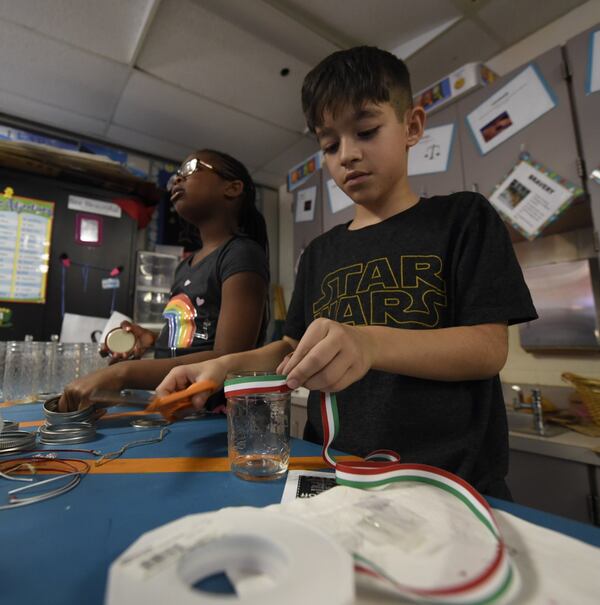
(306, 200)
(510, 109)
(432, 153)
(531, 197)
(301, 172)
(593, 75)
(25, 233)
(338, 200)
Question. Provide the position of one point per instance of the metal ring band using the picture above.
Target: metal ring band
(68, 433)
(54, 417)
(10, 425)
(12, 442)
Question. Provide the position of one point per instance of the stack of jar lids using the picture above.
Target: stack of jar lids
(66, 433)
(63, 428)
(13, 442)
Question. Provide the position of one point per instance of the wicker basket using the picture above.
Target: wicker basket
(589, 390)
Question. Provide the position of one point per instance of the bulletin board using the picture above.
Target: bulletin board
(25, 235)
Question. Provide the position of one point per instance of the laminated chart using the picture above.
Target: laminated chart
(25, 232)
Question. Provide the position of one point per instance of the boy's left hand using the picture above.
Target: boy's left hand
(330, 357)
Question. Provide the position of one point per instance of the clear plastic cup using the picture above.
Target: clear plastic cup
(33, 359)
(68, 365)
(17, 379)
(2, 364)
(91, 360)
(258, 433)
(46, 382)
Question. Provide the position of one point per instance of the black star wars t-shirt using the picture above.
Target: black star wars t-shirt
(447, 261)
(192, 313)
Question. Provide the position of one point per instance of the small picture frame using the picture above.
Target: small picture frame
(88, 229)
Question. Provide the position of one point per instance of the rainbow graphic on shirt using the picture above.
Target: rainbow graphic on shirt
(180, 315)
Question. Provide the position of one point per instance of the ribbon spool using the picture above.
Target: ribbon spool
(383, 467)
(273, 558)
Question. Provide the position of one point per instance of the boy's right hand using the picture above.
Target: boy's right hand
(144, 340)
(181, 377)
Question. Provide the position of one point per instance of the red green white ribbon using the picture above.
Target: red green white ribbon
(384, 467)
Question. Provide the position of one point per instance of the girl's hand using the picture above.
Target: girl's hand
(76, 395)
(183, 376)
(330, 357)
(144, 340)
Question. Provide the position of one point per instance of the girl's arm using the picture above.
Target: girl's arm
(243, 298)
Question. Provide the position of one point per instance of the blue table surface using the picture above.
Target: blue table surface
(59, 551)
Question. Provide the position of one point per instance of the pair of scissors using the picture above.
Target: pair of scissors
(167, 406)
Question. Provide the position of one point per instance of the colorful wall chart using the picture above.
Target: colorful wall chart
(513, 107)
(593, 76)
(25, 233)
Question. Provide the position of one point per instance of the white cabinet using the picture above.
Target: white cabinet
(154, 277)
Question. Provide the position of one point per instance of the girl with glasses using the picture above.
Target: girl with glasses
(219, 298)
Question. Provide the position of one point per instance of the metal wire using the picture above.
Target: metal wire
(64, 467)
(112, 455)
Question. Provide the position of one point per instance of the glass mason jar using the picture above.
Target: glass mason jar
(258, 433)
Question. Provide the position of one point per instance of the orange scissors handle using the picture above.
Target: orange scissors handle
(170, 404)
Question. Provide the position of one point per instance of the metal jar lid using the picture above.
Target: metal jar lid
(120, 341)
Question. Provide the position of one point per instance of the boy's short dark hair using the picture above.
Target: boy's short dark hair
(353, 77)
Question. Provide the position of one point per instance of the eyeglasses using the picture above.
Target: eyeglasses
(195, 165)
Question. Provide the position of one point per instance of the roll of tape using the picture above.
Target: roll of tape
(295, 563)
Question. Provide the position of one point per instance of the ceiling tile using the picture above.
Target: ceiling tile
(143, 142)
(47, 114)
(300, 150)
(193, 48)
(269, 23)
(108, 27)
(39, 68)
(511, 21)
(385, 23)
(463, 43)
(159, 109)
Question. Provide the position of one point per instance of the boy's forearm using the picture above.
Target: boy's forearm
(459, 353)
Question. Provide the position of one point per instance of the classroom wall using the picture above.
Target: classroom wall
(524, 367)
(286, 243)
(521, 367)
(554, 34)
